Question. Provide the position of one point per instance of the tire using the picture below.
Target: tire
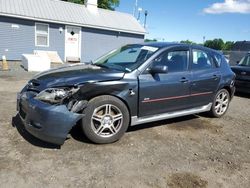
(220, 104)
(106, 119)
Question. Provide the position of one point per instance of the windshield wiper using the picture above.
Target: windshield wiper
(101, 65)
(113, 66)
(119, 67)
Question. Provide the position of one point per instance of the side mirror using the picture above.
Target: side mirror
(159, 69)
(237, 62)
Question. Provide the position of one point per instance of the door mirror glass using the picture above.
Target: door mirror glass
(159, 69)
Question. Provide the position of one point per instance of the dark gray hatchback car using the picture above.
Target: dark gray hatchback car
(242, 71)
(132, 85)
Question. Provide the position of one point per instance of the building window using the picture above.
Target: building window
(42, 34)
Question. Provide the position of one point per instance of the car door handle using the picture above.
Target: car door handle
(216, 77)
(184, 80)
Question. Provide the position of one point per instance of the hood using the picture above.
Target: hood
(74, 75)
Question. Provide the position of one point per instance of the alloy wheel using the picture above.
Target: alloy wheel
(221, 103)
(106, 120)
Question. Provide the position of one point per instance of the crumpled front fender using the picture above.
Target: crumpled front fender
(50, 123)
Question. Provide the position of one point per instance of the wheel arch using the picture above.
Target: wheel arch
(229, 89)
(119, 89)
(100, 101)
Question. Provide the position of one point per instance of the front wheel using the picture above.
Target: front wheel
(220, 103)
(106, 119)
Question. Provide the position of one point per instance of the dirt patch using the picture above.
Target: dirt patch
(6, 77)
(9, 78)
(186, 180)
(191, 151)
(196, 123)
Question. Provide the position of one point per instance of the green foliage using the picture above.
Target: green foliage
(108, 4)
(228, 46)
(216, 44)
(105, 4)
(75, 1)
(219, 44)
(187, 42)
(150, 40)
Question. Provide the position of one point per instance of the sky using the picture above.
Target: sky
(176, 20)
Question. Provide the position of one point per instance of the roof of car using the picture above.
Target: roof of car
(172, 44)
(163, 44)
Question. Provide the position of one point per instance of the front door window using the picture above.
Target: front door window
(176, 61)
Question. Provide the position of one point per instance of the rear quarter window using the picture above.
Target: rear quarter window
(217, 60)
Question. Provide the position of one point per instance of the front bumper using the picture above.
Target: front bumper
(50, 123)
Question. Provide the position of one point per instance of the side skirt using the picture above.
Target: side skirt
(140, 120)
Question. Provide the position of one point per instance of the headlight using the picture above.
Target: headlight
(55, 95)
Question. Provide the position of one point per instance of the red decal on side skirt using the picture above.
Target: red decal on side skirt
(176, 97)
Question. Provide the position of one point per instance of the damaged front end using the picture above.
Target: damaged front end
(50, 114)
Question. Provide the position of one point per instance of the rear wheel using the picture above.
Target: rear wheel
(106, 119)
(220, 104)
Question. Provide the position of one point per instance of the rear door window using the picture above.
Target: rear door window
(201, 60)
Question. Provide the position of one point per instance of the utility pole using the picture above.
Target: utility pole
(145, 19)
(139, 14)
(135, 8)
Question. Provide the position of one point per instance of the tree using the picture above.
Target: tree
(187, 42)
(208, 43)
(219, 44)
(150, 40)
(75, 1)
(216, 44)
(108, 4)
(105, 4)
(228, 46)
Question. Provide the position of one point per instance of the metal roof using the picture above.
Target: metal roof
(69, 13)
(241, 46)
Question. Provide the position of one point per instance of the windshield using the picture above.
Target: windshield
(245, 61)
(126, 58)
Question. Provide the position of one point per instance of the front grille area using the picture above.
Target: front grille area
(22, 113)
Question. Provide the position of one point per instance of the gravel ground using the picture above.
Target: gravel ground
(192, 151)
